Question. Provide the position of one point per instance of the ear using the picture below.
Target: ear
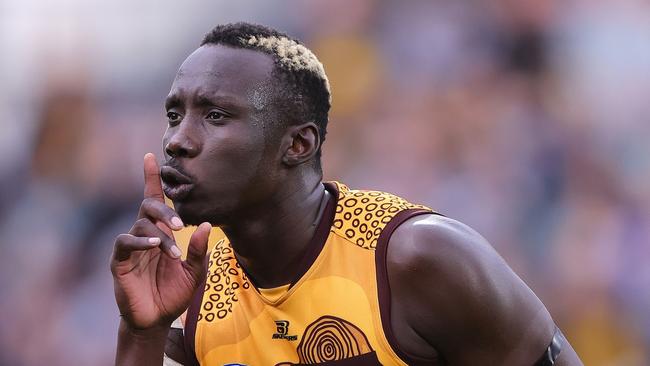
(303, 142)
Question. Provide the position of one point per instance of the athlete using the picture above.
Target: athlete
(309, 272)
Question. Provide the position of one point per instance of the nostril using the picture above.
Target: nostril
(175, 149)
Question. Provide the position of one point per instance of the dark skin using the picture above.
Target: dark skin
(228, 164)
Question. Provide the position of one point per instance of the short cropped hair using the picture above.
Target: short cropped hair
(304, 95)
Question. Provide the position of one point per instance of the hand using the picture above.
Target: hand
(153, 286)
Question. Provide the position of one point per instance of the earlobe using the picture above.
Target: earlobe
(304, 142)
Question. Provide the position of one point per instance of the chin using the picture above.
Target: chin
(193, 215)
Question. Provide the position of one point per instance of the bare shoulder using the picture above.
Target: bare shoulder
(451, 288)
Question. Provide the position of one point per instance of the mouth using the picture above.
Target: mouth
(176, 185)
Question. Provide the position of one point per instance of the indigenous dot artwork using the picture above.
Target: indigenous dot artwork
(224, 278)
(362, 215)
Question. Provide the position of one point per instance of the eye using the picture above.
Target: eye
(215, 116)
(173, 117)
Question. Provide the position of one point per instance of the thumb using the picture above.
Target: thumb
(197, 248)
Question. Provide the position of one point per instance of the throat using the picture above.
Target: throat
(278, 251)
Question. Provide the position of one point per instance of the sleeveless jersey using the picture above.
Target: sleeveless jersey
(336, 311)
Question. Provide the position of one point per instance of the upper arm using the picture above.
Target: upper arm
(454, 291)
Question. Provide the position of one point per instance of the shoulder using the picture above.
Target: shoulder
(451, 287)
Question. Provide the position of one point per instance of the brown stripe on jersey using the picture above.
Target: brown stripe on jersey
(193, 318)
(383, 286)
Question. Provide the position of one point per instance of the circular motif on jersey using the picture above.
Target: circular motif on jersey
(360, 242)
(214, 297)
(347, 215)
(339, 208)
(208, 306)
(246, 285)
(371, 206)
(365, 200)
(374, 194)
(350, 202)
(220, 305)
(209, 317)
(380, 213)
(331, 339)
(358, 194)
(349, 233)
(385, 206)
(233, 272)
(386, 219)
(374, 224)
(355, 222)
(218, 287)
(358, 210)
(368, 216)
(363, 228)
(393, 209)
(338, 223)
(369, 235)
(221, 313)
(379, 199)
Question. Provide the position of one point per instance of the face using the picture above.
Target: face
(220, 161)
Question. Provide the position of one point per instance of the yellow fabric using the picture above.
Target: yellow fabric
(331, 313)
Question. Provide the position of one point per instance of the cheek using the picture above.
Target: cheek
(237, 150)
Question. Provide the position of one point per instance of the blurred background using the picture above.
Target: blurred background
(526, 119)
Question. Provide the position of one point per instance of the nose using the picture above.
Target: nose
(182, 144)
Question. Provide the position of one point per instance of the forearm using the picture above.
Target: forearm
(140, 347)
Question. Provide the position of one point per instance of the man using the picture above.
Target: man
(310, 272)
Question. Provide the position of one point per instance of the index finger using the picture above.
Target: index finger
(152, 186)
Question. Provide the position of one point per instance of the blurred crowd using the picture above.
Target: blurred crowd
(526, 119)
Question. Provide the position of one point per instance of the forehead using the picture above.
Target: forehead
(219, 69)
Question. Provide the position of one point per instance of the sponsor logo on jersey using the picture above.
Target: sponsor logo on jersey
(282, 331)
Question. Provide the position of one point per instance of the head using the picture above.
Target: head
(247, 116)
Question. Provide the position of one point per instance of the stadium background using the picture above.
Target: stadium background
(527, 119)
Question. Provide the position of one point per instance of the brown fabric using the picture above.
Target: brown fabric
(383, 286)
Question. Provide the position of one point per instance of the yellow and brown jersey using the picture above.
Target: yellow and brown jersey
(335, 312)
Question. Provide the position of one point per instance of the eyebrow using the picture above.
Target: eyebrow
(172, 100)
(203, 100)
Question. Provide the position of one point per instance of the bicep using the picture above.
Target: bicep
(463, 298)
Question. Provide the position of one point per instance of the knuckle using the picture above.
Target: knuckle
(121, 239)
(143, 222)
(140, 225)
(146, 205)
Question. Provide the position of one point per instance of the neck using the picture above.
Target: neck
(270, 241)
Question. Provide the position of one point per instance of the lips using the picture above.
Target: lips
(176, 185)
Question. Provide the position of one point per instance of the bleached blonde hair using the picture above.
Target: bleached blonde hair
(290, 54)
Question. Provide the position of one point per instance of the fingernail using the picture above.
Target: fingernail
(177, 222)
(175, 251)
(154, 241)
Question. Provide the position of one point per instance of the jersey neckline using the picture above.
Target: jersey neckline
(314, 248)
